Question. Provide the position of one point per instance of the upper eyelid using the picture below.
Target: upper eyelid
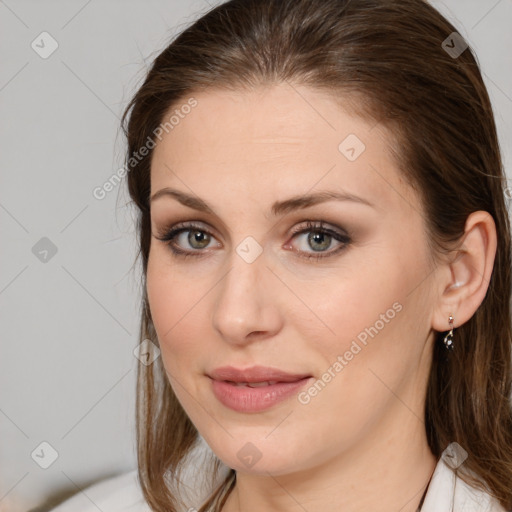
(185, 226)
(316, 209)
(305, 224)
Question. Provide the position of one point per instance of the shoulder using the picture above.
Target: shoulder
(195, 481)
(121, 493)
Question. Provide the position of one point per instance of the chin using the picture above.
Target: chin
(256, 455)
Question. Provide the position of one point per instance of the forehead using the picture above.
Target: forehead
(274, 141)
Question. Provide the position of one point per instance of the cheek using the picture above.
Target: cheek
(176, 306)
(364, 316)
(353, 299)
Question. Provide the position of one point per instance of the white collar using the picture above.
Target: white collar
(447, 492)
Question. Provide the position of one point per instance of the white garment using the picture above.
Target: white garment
(446, 491)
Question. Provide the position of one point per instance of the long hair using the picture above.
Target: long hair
(410, 73)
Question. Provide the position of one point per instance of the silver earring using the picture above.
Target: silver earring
(448, 339)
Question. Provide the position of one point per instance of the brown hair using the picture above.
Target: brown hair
(390, 55)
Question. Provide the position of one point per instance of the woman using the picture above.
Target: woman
(326, 266)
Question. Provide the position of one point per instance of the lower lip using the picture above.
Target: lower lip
(246, 399)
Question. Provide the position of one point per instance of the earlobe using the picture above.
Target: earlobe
(469, 274)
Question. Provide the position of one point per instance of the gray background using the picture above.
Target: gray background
(70, 319)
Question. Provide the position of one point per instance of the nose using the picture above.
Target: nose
(246, 308)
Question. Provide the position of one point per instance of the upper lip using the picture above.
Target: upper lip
(255, 374)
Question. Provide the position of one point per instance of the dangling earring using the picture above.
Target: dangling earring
(448, 339)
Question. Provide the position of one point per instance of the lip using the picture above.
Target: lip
(228, 388)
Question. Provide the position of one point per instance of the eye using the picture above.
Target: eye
(190, 239)
(319, 238)
(181, 235)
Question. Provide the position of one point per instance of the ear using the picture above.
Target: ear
(465, 278)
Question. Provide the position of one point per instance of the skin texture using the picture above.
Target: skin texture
(359, 443)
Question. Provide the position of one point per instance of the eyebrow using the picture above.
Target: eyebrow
(278, 208)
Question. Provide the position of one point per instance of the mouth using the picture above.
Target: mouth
(253, 384)
(255, 389)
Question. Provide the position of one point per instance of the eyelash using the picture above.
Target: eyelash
(169, 236)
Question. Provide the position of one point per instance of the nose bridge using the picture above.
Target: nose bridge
(243, 304)
(242, 279)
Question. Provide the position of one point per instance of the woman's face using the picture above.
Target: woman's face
(336, 317)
